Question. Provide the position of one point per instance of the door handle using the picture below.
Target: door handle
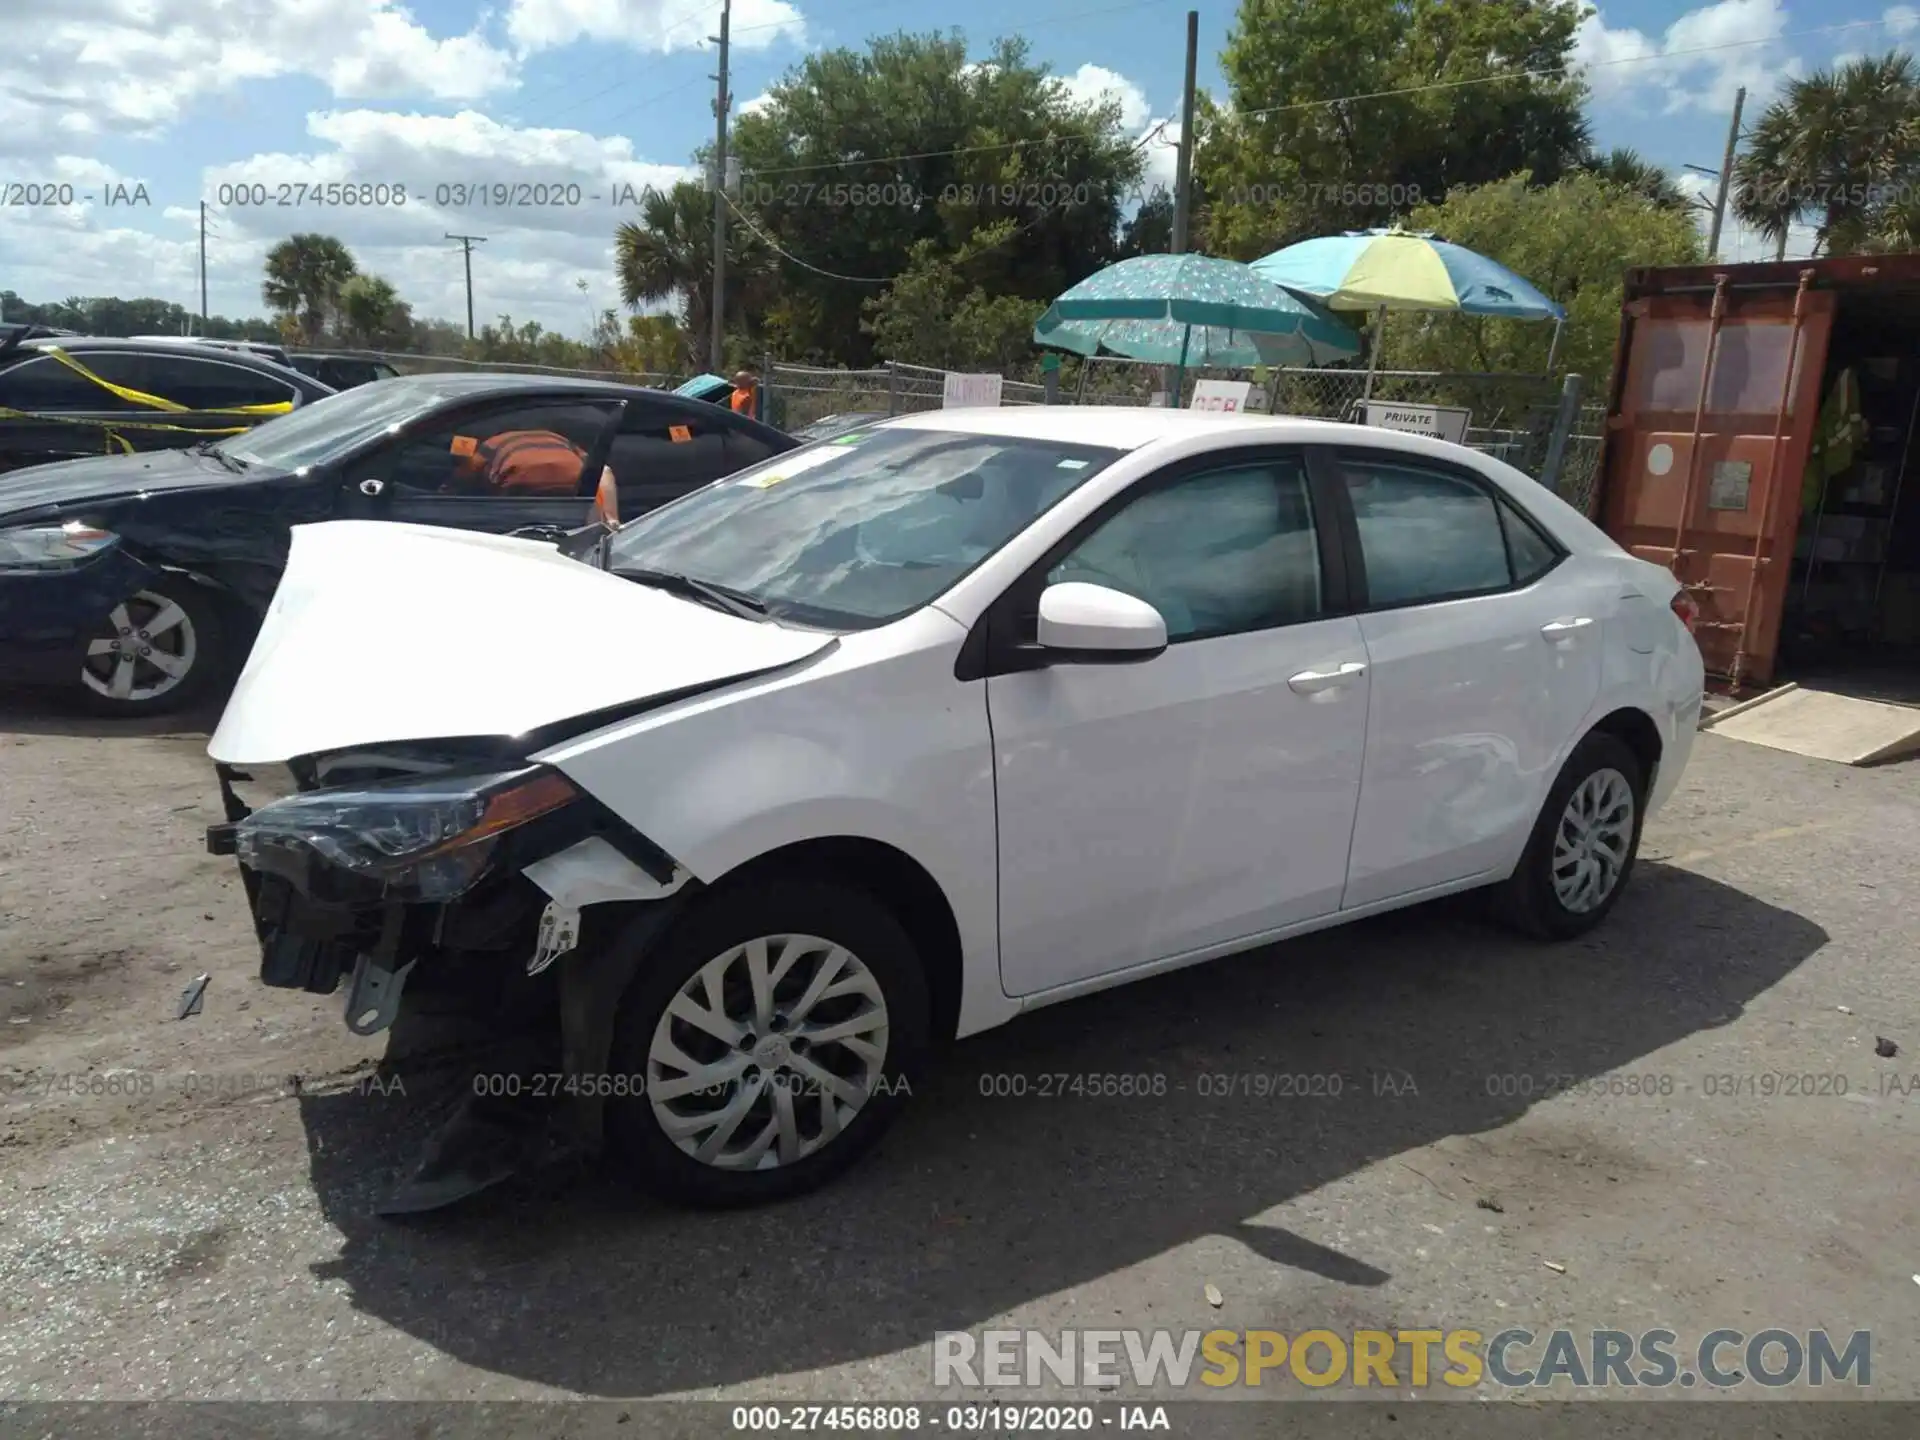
(1307, 682)
(1561, 630)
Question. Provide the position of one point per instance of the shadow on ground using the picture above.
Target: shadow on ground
(33, 713)
(975, 1205)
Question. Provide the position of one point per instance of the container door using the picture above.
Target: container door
(1707, 450)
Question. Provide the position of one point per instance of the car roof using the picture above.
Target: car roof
(81, 344)
(1121, 427)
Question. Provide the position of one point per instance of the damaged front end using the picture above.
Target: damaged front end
(476, 878)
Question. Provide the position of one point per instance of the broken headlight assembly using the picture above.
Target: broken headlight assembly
(424, 839)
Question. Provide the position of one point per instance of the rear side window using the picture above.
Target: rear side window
(210, 384)
(660, 455)
(1429, 535)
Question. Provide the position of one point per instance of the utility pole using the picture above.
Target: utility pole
(1726, 175)
(203, 267)
(1183, 166)
(722, 103)
(467, 242)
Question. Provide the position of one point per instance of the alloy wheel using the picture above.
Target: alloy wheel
(768, 1052)
(1590, 845)
(148, 649)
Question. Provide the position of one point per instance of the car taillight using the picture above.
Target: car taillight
(1685, 607)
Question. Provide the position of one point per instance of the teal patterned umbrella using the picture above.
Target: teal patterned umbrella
(1172, 296)
(1159, 342)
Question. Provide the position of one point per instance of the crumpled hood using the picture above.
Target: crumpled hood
(384, 633)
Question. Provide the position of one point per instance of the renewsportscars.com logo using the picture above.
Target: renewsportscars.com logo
(1394, 1359)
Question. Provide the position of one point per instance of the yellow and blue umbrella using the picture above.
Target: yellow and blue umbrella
(1404, 270)
(1383, 270)
(1156, 307)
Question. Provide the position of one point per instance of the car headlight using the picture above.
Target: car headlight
(43, 547)
(424, 839)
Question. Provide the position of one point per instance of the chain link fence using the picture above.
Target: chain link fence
(408, 363)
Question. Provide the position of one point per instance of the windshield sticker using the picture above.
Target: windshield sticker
(680, 434)
(854, 439)
(789, 467)
(464, 445)
(1071, 465)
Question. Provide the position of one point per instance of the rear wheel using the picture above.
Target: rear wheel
(779, 1030)
(1583, 845)
(158, 651)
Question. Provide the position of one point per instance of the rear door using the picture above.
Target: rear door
(431, 474)
(51, 411)
(1484, 647)
(1706, 451)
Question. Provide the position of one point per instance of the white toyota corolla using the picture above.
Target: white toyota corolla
(882, 742)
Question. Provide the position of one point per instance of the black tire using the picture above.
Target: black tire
(1528, 900)
(207, 622)
(731, 916)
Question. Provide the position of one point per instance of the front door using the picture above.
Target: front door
(488, 468)
(1485, 654)
(1158, 808)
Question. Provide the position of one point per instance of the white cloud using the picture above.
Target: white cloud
(135, 67)
(1699, 61)
(657, 25)
(534, 254)
(754, 106)
(1901, 20)
(1095, 84)
(1739, 244)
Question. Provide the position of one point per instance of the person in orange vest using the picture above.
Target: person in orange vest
(519, 462)
(746, 392)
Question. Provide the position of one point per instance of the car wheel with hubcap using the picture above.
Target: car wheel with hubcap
(1583, 845)
(155, 652)
(778, 1030)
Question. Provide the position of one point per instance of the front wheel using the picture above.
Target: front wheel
(778, 1030)
(158, 651)
(1583, 845)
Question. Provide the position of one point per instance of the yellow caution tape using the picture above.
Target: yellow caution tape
(110, 427)
(156, 402)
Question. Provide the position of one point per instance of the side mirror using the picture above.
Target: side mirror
(1096, 624)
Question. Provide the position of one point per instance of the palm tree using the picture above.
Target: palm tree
(669, 253)
(1632, 171)
(371, 311)
(1840, 150)
(305, 274)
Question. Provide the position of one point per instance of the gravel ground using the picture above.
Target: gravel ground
(202, 1229)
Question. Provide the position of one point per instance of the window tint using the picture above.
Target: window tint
(1424, 535)
(1529, 552)
(515, 451)
(45, 384)
(660, 455)
(207, 384)
(744, 450)
(1224, 551)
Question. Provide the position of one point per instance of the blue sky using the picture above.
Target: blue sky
(185, 97)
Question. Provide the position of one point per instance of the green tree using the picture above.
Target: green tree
(1149, 230)
(860, 158)
(1574, 240)
(372, 313)
(1839, 150)
(1630, 170)
(668, 254)
(1345, 114)
(304, 276)
(937, 312)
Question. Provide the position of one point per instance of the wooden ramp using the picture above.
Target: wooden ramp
(1823, 725)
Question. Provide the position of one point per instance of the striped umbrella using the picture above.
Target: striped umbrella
(1382, 270)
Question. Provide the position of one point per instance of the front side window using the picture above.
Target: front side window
(510, 451)
(1427, 535)
(334, 426)
(1218, 553)
(862, 529)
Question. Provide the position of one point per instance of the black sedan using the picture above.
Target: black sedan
(135, 581)
(63, 396)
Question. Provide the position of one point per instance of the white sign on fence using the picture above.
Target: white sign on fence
(965, 390)
(1157, 400)
(1435, 420)
(1227, 395)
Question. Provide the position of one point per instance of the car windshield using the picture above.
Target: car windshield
(330, 428)
(861, 529)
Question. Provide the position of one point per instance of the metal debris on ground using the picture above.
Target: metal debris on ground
(1884, 1047)
(1555, 1266)
(1488, 1204)
(192, 997)
(1214, 1297)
